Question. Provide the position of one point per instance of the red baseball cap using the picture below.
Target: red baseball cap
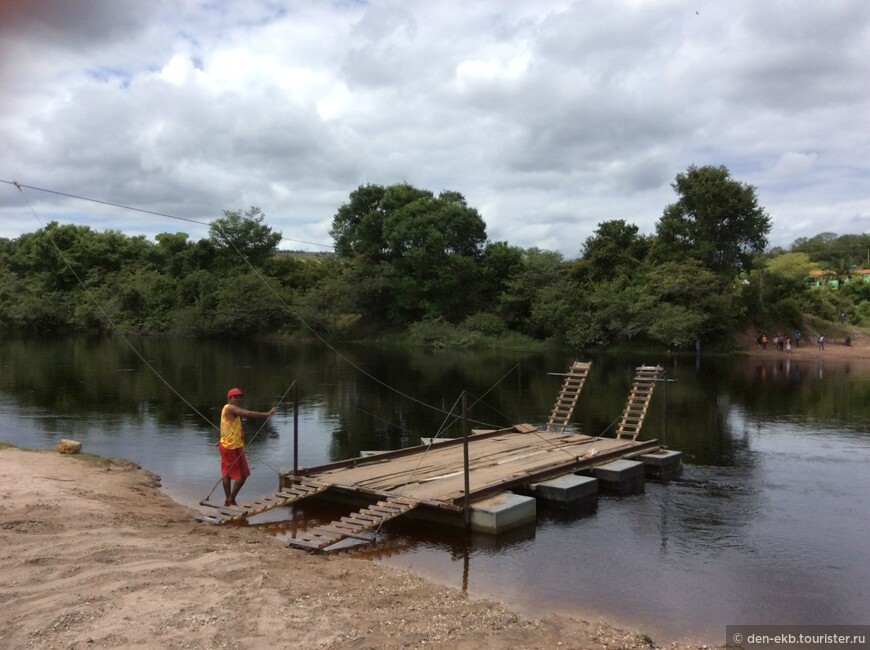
(233, 392)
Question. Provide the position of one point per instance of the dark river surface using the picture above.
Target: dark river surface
(770, 522)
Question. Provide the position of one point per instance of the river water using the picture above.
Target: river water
(770, 522)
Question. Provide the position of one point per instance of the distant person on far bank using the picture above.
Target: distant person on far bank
(234, 465)
(821, 342)
(797, 338)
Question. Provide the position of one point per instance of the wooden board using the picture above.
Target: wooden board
(436, 474)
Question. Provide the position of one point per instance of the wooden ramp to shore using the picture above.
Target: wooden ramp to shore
(360, 525)
(286, 496)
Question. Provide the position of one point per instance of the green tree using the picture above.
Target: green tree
(691, 301)
(25, 304)
(237, 234)
(817, 247)
(615, 248)
(261, 310)
(59, 256)
(412, 254)
(295, 273)
(793, 265)
(777, 298)
(856, 248)
(330, 306)
(55, 266)
(176, 256)
(500, 264)
(827, 247)
(842, 269)
(358, 226)
(137, 300)
(716, 220)
(523, 292)
(675, 325)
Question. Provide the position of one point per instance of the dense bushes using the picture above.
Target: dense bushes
(410, 261)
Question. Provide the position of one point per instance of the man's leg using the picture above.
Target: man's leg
(238, 486)
(225, 480)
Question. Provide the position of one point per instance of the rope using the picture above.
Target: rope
(419, 462)
(536, 433)
(256, 272)
(106, 315)
(443, 427)
(117, 330)
(476, 402)
(607, 428)
(134, 209)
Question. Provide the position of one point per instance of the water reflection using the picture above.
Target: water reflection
(768, 523)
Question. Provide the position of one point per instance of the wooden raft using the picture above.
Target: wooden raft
(567, 399)
(645, 380)
(498, 460)
(286, 496)
(433, 476)
(358, 525)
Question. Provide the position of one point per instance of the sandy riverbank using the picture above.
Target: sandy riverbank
(859, 347)
(94, 555)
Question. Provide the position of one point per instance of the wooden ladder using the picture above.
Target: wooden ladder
(283, 497)
(359, 525)
(645, 379)
(567, 400)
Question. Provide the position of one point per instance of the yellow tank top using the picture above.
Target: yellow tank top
(232, 436)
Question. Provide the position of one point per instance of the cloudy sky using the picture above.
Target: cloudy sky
(548, 116)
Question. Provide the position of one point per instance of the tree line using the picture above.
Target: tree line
(410, 262)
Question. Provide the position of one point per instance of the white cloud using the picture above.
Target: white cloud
(178, 70)
(794, 164)
(549, 117)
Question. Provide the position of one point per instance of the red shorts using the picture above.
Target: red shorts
(233, 463)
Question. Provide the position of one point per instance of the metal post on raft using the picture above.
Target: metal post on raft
(467, 502)
(295, 429)
(663, 379)
(665, 411)
(520, 391)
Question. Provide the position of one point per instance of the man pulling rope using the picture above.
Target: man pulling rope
(234, 465)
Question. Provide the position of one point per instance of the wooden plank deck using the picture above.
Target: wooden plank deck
(433, 475)
(498, 460)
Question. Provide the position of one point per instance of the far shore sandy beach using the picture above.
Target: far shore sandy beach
(834, 348)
